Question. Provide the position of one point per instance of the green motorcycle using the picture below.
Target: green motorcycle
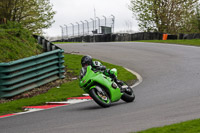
(102, 88)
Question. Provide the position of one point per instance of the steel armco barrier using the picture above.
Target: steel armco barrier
(21, 75)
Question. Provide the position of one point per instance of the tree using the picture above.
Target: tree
(198, 17)
(5, 9)
(34, 15)
(169, 16)
(190, 20)
(193, 24)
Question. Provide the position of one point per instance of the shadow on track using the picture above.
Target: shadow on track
(93, 106)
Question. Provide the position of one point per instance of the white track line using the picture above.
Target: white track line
(138, 77)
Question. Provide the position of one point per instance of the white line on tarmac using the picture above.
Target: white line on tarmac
(138, 77)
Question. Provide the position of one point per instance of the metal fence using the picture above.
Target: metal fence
(27, 73)
(119, 37)
(87, 27)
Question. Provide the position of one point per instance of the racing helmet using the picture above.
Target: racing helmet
(86, 60)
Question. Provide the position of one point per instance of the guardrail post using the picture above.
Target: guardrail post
(1, 78)
(44, 45)
(4, 67)
(1, 69)
(53, 47)
(39, 40)
(48, 46)
(61, 66)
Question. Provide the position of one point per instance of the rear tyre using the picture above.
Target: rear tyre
(128, 95)
(100, 96)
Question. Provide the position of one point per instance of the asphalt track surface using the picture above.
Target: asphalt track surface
(169, 93)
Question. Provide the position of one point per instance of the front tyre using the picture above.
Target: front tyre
(100, 96)
(128, 95)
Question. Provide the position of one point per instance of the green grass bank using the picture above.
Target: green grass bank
(16, 43)
(192, 42)
(192, 126)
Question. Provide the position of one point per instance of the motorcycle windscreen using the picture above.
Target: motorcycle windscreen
(83, 72)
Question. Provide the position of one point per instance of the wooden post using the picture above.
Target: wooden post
(3, 21)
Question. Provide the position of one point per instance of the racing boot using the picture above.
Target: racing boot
(118, 82)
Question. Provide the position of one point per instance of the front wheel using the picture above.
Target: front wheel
(100, 96)
(128, 95)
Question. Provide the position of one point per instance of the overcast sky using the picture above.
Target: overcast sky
(71, 11)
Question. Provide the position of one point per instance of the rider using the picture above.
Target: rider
(96, 65)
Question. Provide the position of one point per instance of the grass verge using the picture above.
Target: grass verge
(192, 42)
(69, 89)
(16, 43)
(192, 126)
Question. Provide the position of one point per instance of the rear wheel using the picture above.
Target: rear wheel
(128, 95)
(100, 96)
